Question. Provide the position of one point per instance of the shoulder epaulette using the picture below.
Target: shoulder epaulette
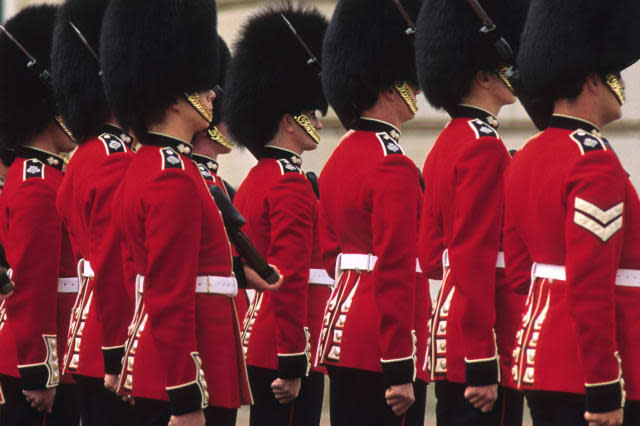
(112, 143)
(482, 129)
(587, 142)
(171, 159)
(33, 168)
(389, 145)
(205, 173)
(287, 167)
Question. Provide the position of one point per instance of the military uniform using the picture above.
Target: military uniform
(34, 320)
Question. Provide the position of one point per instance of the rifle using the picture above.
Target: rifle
(536, 108)
(233, 221)
(6, 285)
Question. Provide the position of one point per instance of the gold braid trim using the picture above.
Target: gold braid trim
(305, 123)
(217, 136)
(502, 73)
(407, 95)
(64, 127)
(614, 84)
(194, 100)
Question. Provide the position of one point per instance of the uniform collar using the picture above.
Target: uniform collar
(281, 154)
(119, 133)
(470, 111)
(45, 157)
(374, 125)
(208, 162)
(158, 139)
(568, 122)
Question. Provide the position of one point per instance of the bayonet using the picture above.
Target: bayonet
(84, 41)
(41, 72)
(405, 15)
(312, 58)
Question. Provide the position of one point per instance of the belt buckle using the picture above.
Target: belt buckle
(209, 285)
(369, 262)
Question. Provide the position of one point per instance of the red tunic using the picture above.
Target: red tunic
(474, 319)
(371, 199)
(209, 170)
(84, 202)
(184, 346)
(567, 197)
(279, 204)
(35, 319)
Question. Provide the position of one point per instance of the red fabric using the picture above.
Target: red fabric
(38, 251)
(462, 212)
(174, 232)
(85, 203)
(279, 209)
(371, 204)
(572, 324)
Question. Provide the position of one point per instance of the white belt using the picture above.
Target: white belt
(624, 277)
(320, 277)
(68, 285)
(85, 269)
(361, 262)
(499, 262)
(210, 284)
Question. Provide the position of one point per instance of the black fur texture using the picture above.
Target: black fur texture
(77, 84)
(153, 52)
(224, 57)
(269, 75)
(27, 106)
(366, 50)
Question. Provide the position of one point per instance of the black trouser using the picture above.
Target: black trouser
(358, 398)
(18, 412)
(151, 412)
(267, 411)
(556, 408)
(453, 409)
(632, 413)
(101, 407)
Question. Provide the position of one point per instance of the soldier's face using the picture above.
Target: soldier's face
(610, 106)
(303, 138)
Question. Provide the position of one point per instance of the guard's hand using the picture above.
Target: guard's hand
(111, 382)
(400, 398)
(482, 397)
(286, 390)
(41, 399)
(194, 418)
(4, 296)
(255, 282)
(129, 400)
(610, 418)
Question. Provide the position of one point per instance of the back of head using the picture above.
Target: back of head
(270, 74)
(27, 106)
(76, 81)
(451, 50)
(153, 53)
(367, 49)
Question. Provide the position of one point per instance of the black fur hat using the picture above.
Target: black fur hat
(367, 49)
(566, 40)
(224, 57)
(153, 52)
(27, 106)
(450, 50)
(76, 81)
(269, 75)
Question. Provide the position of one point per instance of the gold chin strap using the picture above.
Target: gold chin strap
(613, 82)
(305, 123)
(502, 73)
(217, 136)
(407, 95)
(194, 100)
(64, 127)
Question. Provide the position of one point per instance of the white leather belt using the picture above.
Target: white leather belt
(624, 277)
(320, 277)
(68, 285)
(499, 262)
(361, 262)
(85, 269)
(209, 284)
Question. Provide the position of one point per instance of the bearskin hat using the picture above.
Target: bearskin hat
(76, 72)
(367, 49)
(224, 57)
(450, 50)
(153, 52)
(566, 40)
(270, 74)
(27, 106)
